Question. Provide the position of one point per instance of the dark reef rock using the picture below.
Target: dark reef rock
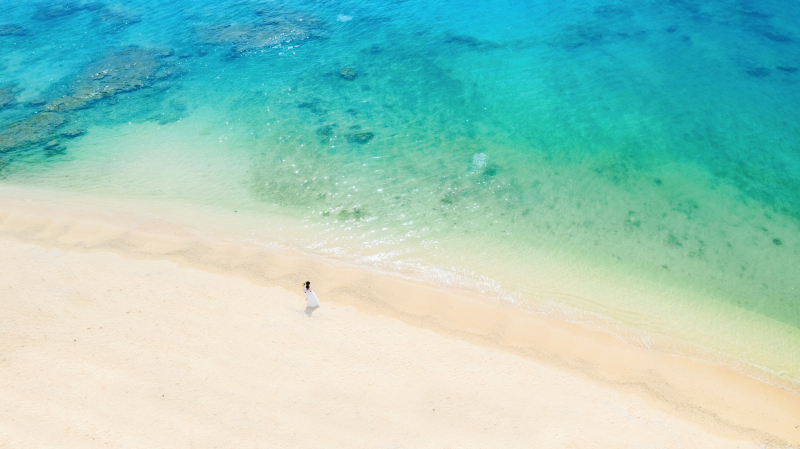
(49, 12)
(30, 131)
(357, 214)
(165, 54)
(673, 240)
(12, 30)
(8, 95)
(36, 102)
(122, 71)
(758, 72)
(54, 10)
(774, 37)
(360, 138)
(73, 133)
(467, 41)
(787, 69)
(113, 18)
(347, 73)
(116, 17)
(325, 132)
(273, 27)
(277, 15)
(55, 150)
(314, 106)
(245, 38)
(115, 73)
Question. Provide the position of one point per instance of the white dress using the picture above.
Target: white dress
(311, 298)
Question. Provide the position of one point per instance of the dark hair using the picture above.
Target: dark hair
(308, 284)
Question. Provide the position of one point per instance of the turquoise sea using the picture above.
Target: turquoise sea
(633, 166)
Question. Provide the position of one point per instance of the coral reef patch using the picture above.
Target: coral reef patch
(347, 73)
(54, 10)
(12, 30)
(758, 72)
(122, 71)
(35, 129)
(360, 138)
(8, 95)
(272, 27)
(116, 18)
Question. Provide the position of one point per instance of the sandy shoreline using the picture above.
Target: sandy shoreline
(212, 325)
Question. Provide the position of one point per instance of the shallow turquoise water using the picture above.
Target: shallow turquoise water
(631, 165)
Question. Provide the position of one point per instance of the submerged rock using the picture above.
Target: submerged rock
(49, 11)
(8, 95)
(277, 15)
(758, 72)
(244, 38)
(313, 106)
(774, 37)
(273, 27)
(36, 129)
(115, 73)
(325, 132)
(12, 30)
(116, 17)
(36, 102)
(360, 138)
(55, 150)
(73, 133)
(122, 71)
(347, 73)
(54, 10)
(459, 39)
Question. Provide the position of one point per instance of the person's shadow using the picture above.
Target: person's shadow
(310, 310)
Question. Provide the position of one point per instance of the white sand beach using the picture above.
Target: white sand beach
(123, 333)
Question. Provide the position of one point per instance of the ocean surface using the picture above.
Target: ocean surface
(633, 166)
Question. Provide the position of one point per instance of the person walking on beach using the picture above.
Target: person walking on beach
(311, 298)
